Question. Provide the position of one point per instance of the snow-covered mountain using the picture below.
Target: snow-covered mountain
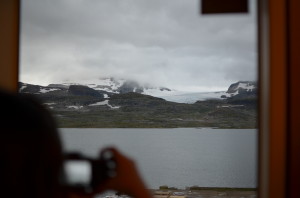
(109, 86)
(241, 88)
(116, 86)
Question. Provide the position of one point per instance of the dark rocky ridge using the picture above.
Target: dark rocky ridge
(80, 90)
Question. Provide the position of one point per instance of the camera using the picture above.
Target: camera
(84, 173)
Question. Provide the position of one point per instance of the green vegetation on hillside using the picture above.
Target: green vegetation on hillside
(142, 111)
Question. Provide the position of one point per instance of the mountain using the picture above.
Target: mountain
(125, 104)
(241, 89)
(114, 85)
(109, 86)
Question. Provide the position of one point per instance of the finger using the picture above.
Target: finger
(110, 151)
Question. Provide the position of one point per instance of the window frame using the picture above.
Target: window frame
(278, 82)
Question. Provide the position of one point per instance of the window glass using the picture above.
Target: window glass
(173, 89)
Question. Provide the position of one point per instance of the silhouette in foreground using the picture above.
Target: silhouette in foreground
(31, 157)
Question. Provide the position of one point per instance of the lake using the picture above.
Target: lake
(178, 157)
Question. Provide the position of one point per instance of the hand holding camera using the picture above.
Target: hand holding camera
(112, 171)
(85, 174)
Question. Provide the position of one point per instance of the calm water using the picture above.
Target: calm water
(178, 157)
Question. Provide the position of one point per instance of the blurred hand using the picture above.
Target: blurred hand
(126, 179)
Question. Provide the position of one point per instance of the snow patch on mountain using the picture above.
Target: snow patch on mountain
(46, 90)
(49, 103)
(157, 92)
(192, 97)
(246, 86)
(23, 87)
(105, 102)
(74, 107)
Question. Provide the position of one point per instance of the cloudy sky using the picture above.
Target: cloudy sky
(161, 42)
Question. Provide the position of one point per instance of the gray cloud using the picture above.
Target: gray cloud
(164, 42)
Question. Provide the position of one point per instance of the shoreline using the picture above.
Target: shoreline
(205, 192)
(195, 188)
(202, 192)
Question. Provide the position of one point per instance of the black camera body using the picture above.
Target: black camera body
(85, 174)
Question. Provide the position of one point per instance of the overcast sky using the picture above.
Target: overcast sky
(161, 42)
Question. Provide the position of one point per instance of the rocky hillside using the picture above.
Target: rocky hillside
(83, 106)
